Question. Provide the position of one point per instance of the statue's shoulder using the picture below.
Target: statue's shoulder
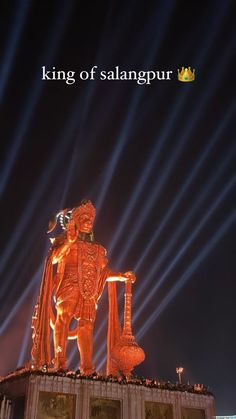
(102, 248)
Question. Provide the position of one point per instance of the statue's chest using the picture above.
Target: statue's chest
(85, 253)
(89, 266)
(88, 254)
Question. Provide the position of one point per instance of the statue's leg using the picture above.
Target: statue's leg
(85, 345)
(65, 311)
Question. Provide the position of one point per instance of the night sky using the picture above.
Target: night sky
(157, 160)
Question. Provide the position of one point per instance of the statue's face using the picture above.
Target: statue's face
(85, 223)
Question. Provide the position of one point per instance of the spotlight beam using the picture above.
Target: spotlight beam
(27, 215)
(155, 154)
(39, 190)
(132, 238)
(107, 170)
(14, 38)
(214, 178)
(196, 168)
(84, 112)
(203, 254)
(15, 273)
(34, 94)
(231, 183)
(206, 95)
(125, 132)
(111, 167)
(181, 252)
(152, 161)
(28, 289)
(173, 159)
(207, 249)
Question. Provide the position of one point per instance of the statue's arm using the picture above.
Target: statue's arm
(121, 277)
(112, 276)
(57, 254)
(61, 249)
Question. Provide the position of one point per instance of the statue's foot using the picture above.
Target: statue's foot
(87, 370)
(59, 364)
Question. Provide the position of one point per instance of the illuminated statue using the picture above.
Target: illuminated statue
(75, 274)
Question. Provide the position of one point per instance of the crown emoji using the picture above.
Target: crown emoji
(186, 74)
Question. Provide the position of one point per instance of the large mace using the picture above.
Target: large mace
(127, 353)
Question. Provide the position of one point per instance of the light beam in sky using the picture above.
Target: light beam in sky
(11, 46)
(184, 137)
(203, 254)
(34, 94)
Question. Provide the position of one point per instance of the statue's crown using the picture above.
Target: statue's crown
(85, 207)
(186, 74)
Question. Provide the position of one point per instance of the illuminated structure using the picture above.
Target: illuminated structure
(76, 285)
(43, 395)
(75, 274)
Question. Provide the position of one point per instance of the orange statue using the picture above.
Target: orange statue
(75, 274)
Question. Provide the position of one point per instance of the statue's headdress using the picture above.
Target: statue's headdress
(85, 207)
(64, 216)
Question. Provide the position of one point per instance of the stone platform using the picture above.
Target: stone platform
(38, 395)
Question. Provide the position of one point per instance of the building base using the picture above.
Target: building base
(38, 395)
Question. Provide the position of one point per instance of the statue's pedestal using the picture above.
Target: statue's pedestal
(37, 396)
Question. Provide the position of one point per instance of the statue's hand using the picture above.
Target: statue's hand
(72, 231)
(130, 275)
